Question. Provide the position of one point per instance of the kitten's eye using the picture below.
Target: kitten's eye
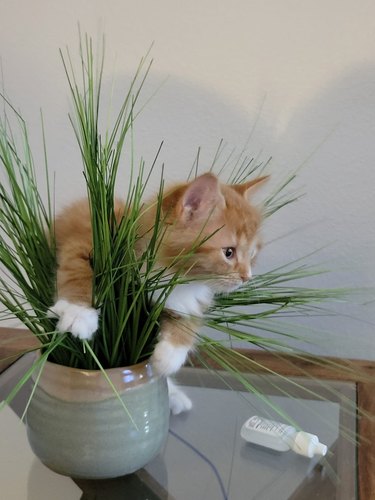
(229, 252)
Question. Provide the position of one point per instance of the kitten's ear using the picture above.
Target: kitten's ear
(201, 197)
(249, 187)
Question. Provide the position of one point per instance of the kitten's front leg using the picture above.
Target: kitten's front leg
(177, 337)
(81, 321)
(74, 290)
(181, 321)
(184, 309)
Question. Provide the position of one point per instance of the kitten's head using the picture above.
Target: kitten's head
(214, 227)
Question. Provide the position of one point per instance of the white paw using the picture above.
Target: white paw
(178, 401)
(168, 358)
(80, 321)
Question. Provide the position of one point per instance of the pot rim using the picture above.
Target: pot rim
(73, 384)
(134, 367)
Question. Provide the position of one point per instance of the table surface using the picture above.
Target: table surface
(205, 457)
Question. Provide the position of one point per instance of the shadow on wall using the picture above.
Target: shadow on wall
(186, 117)
(338, 125)
(182, 115)
(340, 175)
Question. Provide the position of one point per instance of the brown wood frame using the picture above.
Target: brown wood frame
(14, 342)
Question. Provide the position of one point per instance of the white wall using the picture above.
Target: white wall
(304, 72)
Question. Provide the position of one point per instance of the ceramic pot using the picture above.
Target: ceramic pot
(77, 426)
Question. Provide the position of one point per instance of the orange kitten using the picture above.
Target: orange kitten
(201, 208)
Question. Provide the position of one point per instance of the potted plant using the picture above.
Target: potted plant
(99, 407)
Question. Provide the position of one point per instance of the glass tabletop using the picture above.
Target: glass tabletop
(205, 457)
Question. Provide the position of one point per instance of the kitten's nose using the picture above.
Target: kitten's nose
(246, 276)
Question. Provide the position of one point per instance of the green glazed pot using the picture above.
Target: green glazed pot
(77, 426)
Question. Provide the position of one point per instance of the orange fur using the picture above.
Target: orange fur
(201, 209)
